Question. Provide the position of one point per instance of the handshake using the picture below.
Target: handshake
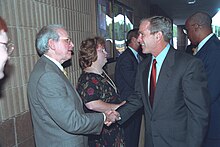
(111, 117)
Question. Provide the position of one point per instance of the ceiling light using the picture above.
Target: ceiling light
(190, 2)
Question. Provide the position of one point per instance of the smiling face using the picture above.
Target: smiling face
(146, 38)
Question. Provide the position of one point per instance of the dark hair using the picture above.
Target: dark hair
(132, 33)
(88, 52)
(3, 25)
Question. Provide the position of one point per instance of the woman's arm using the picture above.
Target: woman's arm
(101, 106)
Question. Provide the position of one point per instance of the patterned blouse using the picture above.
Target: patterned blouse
(92, 87)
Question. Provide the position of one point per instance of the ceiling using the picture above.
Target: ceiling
(179, 10)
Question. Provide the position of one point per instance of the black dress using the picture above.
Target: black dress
(92, 87)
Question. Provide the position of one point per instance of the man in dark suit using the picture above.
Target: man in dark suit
(56, 108)
(125, 72)
(200, 33)
(177, 110)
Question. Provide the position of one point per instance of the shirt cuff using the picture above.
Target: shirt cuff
(104, 116)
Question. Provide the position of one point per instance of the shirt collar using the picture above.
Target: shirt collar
(133, 51)
(160, 58)
(204, 41)
(55, 62)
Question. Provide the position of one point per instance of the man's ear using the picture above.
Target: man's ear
(51, 44)
(133, 39)
(159, 35)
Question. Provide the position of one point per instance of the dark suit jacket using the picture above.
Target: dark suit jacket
(210, 55)
(125, 73)
(180, 113)
(57, 110)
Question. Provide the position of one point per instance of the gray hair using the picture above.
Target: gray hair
(44, 35)
(160, 24)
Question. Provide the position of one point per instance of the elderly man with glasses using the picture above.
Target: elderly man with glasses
(56, 108)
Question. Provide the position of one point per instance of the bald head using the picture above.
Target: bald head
(201, 18)
(198, 27)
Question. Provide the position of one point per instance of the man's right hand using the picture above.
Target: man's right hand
(111, 117)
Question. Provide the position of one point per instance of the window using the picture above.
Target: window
(114, 21)
(174, 41)
(216, 24)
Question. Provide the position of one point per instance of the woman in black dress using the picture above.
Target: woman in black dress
(98, 91)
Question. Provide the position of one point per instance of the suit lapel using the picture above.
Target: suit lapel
(164, 77)
(202, 53)
(55, 67)
(51, 64)
(57, 70)
(145, 73)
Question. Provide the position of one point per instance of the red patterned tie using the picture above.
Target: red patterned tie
(152, 82)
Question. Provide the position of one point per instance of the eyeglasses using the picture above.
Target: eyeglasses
(10, 47)
(67, 40)
(185, 31)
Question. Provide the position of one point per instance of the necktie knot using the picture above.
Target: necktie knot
(195, 50)
(154, 62)
(65, 72)
(139, 58)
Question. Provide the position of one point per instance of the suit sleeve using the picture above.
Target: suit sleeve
(197, 99)
(64, 107)
(212, 66)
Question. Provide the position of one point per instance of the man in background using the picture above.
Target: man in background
(125, 73)
(199, 31)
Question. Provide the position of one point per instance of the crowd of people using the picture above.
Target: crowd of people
(176, 92)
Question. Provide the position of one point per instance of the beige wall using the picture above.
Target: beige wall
(25, 18)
